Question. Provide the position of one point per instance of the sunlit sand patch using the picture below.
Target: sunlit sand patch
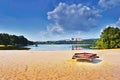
(57, 65)
(84, 62)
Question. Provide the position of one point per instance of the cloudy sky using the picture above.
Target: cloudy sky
(41, 20)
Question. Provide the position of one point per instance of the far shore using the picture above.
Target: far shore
(58, 65)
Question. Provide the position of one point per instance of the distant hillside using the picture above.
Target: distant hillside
(88, 41)
(85, 41)
(7, 39)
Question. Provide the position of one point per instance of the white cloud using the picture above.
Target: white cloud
(70, 21)
(109, 3)
(74, 17)
(118, 23)
(53, 31)
(115, 24)
(56, 28)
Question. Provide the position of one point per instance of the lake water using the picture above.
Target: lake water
(59, 47)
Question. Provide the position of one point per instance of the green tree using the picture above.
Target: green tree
(4, 39)
(23, 40)
(1, 39)
(14, 40)
(110, 38)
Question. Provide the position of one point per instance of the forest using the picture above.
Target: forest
(13, 41)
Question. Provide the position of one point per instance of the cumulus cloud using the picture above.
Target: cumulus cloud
(118, 23)
(74, 17)
(52, 30)
(115, 24)
(109, 3)
(56, 28)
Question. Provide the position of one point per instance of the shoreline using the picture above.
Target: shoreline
(86, 49)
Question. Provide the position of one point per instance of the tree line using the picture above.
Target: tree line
(110, 38)
(7, 39)
(87, 41)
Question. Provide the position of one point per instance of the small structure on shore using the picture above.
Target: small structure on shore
(36, 45)
(85, 56)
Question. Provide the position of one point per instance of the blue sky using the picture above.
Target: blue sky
(40, 20)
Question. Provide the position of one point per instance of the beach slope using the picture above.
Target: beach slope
(58, 65)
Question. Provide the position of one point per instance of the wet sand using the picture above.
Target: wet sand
(58, 65)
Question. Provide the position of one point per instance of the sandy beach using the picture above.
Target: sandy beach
(58, 65)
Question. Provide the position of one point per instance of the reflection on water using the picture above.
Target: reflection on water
(59, 47)
(76, 47)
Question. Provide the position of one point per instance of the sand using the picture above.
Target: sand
(58, 65)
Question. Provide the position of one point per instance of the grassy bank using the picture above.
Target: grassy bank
(11, 47)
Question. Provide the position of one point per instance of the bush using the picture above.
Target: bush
(110, 38)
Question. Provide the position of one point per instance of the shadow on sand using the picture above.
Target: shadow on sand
(95, 61)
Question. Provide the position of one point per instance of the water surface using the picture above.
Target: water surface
(59, 47)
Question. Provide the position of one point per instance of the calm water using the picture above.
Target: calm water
(59, 47)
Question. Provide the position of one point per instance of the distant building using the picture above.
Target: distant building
(76, 39)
